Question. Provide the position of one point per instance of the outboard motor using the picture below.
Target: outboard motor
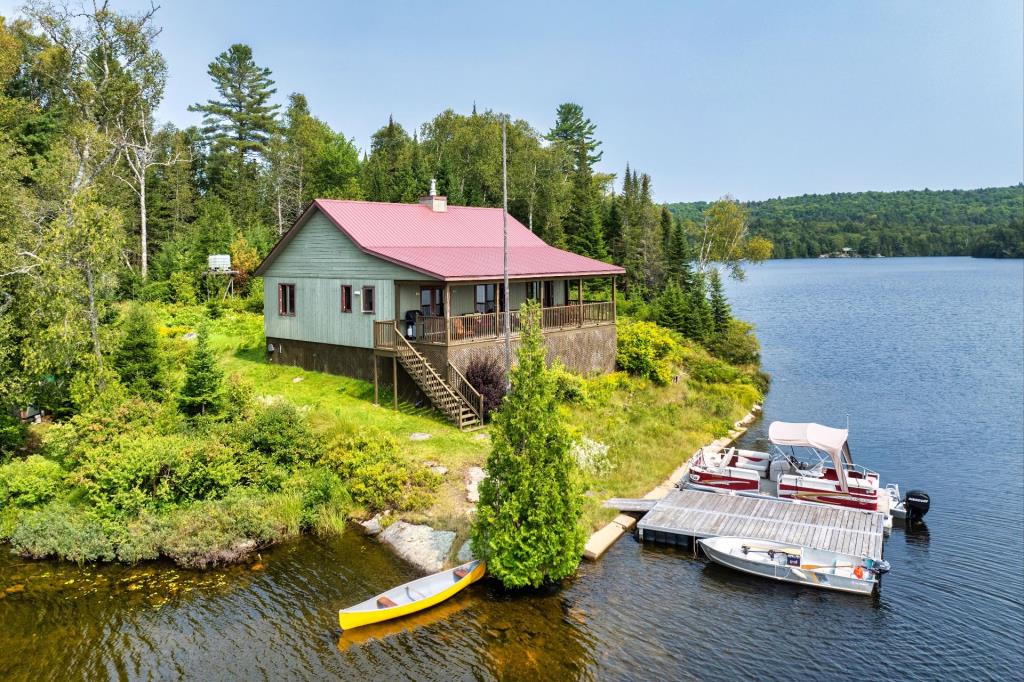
(916, 503)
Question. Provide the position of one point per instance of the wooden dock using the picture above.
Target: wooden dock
(685, 514)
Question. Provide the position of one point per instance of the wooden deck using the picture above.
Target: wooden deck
(696, 514)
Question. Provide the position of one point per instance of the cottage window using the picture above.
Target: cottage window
(485, 298)
(368, 301)
(533, 291)
(432, 301)
(286, 299)
(346, 298)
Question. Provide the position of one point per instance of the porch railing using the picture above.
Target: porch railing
(482, 326)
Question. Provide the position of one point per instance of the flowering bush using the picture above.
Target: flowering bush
(592, 456)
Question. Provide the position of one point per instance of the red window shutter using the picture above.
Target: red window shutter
(280, 309)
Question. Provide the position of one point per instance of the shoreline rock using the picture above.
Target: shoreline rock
(421, 546)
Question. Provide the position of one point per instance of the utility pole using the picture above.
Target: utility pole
(504, 230)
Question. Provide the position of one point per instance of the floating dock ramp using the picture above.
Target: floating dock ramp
(683, 515)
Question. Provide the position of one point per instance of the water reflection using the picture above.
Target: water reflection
(535, 634)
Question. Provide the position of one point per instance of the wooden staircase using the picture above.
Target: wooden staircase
(456, 398)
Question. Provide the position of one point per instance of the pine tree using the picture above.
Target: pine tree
(575, 133)
(239, 125)
(720, 311)
(201, 393)
(527, 522)
(137, 359)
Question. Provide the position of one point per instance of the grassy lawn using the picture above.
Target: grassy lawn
(338, 401)
(650, 430)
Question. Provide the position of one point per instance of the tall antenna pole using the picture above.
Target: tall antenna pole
(504, 234)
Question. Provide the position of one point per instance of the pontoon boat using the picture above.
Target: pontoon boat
(816, 466)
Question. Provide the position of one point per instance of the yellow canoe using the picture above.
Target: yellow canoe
(412, 596)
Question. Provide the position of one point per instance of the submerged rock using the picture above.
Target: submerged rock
(421, 546)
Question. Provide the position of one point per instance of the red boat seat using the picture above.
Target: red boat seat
(385, 603)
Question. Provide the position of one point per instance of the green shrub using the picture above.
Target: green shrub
(738, 344)
(183, 289)
(12, 434)
(61, 530)
(157, 290)
(646, 350)
(30, 482)
(375, 474)
(206, 534)
(147, 471)
(317, 487)
(279, 432)
(214, 311)
(569, 387)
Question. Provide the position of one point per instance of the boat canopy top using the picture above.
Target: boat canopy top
(824, 438)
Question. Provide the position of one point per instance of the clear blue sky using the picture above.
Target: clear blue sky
(752, 99)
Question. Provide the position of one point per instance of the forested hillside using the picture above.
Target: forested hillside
(983, 222)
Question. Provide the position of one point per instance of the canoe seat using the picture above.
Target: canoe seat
(385, 602)
(460, 572)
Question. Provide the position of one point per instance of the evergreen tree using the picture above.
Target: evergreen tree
(583, 218)
(527, 522)
(720, 312)
(672, 308)
(137, 359)
(238, 126)
(201, 393)
(699, 321)
(679, 257)
(576, 133)
(387, 174)
(667, 229)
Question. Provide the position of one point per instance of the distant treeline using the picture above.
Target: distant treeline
(987, 223)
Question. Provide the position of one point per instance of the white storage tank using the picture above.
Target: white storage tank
(220, 262)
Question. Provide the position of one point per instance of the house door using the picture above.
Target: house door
(549, 294)
(432, 301)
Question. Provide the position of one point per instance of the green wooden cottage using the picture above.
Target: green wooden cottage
(411, 293)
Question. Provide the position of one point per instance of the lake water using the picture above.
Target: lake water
(925, 357)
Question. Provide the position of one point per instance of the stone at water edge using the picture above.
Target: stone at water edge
(465, 554)
(473, 478)
(371, 526)
(421, 546)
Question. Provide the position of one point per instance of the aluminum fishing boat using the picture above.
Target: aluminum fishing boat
(807, 463)
(795, 564)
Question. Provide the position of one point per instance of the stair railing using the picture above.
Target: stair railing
(473, 397)
(428, 378)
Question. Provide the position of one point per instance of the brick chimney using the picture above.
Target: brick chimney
(436, 203)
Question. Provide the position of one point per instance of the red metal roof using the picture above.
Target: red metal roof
(461, 243)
